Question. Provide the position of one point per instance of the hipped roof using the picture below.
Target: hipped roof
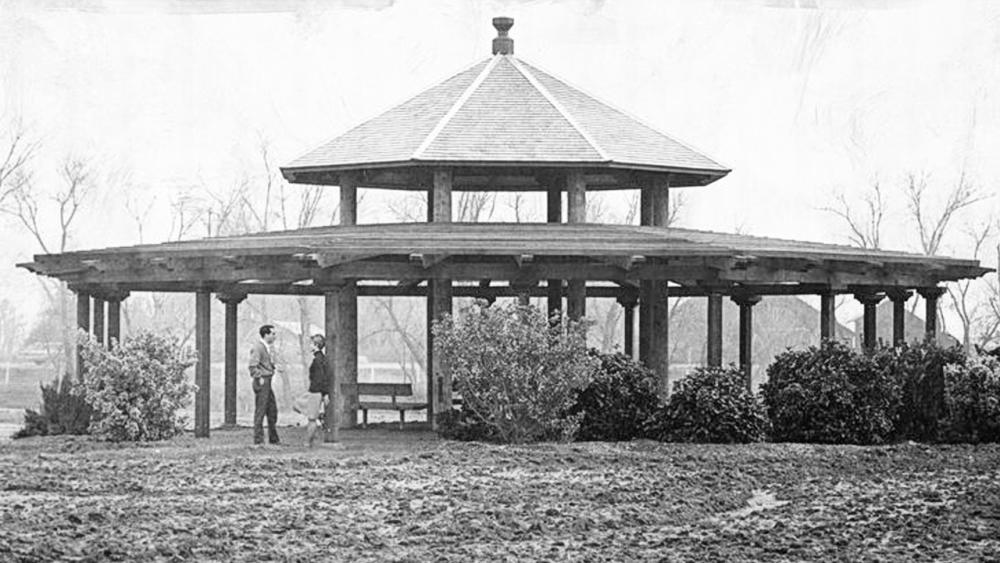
(503, 111)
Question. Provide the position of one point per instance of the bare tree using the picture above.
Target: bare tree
(865, 227)
(968, 310)
(11, 335)
(16, 151)
(932, 227)
(31, 207)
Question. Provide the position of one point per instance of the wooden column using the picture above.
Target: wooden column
(576, 202)
(346, 352)
(439, 302)
(98, 319)
(232, 302)
(83, 324)
(827, 316)
(115, 318)
(331, 320)
(203, 369)
(899, 296)
(746, 303)
(714, 348)
(348, 199)
(870, 302)
(659, 337)
(646, 197)
(930, 295)
(628, 301)
(554, 215)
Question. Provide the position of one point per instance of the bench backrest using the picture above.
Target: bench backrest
(380, 389)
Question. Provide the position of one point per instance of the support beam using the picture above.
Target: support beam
(899, 296)
(576, 201)
(115, 318)
(83, 324)
(746, 303)
(930, 295)
(331, 320)
(346, 352)
(439, 376)
(628, 302)
(661, 201)
(553, 213)
(659, 336)
(98, 319)
(870, 302)
(439, 298)
(348, 198)
(203, 369)
(231, 365)
(827, 315)
(714, 347)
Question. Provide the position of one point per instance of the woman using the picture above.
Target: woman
(319, 386)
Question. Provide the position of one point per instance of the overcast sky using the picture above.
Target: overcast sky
(801, 98)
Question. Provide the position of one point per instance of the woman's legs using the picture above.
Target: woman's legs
(311, 428)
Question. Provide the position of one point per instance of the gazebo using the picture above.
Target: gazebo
(500, 125)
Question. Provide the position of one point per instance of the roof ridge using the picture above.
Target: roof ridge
(632, 116)
(559, 108)
(447, 117)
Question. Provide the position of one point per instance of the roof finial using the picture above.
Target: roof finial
(502, 44)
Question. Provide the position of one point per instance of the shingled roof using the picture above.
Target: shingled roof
(504, 111)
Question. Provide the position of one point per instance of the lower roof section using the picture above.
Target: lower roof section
(307, 261)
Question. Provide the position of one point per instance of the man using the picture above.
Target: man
(262, 372)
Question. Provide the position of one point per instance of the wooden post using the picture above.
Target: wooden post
(628, 301)
(746, 303)
(203, 369)
(554, 215)
(576, 200)
(827, 316)
(115, 318)
(659, 336)
(82, 323)
(232, 302)
(439, 301)
(348, 199)
(869, 324)
(98, 319)
(899, 296)
(347, 352)
(930, 295)
(331, 320)
(714, 329)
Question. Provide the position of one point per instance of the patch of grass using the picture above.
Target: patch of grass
(385, 495)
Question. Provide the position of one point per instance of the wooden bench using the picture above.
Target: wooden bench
(389, 390)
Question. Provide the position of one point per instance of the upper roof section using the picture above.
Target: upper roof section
(503, 113)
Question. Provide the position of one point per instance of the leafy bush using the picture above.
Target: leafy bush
(517, 371)
(830, 394)
(919, 371)
(972, 401)
(620, 402)
(137, 387)
(464, 425)
(63, 411)
(712, 404)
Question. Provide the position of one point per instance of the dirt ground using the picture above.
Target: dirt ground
(390, 495)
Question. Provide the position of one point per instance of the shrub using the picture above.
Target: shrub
(517, 371)
(137, 387)
(830, 394)
(919, 371)
(972, 401)
(63, 411)
(712, 404)
(620, 402)
(465, 425)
